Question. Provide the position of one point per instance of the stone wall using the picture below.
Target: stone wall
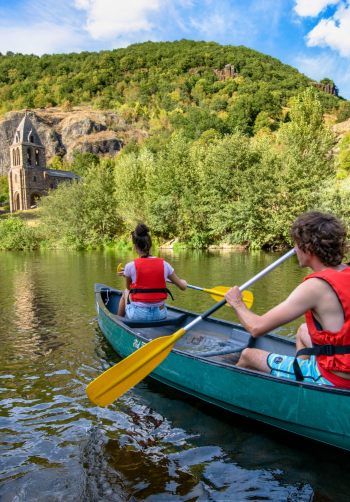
(328, 88)
(228, 71)
(63, 132)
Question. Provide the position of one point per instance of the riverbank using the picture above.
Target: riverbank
(24, 230)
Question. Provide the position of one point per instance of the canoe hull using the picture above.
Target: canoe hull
(316, 412)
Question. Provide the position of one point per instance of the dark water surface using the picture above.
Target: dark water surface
(153, 444)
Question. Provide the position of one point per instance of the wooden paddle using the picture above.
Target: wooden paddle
(217, 292)
(111, 384)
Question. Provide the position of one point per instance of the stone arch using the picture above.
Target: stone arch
(18, 157)
(14, 157)
(29, 156)
(34, 197)
(30, 136)
(16, 202)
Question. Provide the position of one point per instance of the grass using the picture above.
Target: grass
(31, 216)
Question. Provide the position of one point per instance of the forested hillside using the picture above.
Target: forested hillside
(174, 83)
(226, 158)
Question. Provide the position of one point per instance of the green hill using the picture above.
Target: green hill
(174, 82)
(234, 146)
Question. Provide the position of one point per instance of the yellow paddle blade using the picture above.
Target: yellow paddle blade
(120, 267)
(220, 291)
(111, 384)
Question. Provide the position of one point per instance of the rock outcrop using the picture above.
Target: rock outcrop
(63, 132)
(342, 128)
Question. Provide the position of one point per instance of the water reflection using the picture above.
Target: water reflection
(154, 444)
(155, 460)
(34, 316)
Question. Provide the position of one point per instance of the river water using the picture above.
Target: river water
(153, 444)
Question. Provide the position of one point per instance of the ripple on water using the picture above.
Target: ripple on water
(150, 460)
(150, 445)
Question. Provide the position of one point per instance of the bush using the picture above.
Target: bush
(15, 235)
(83, 214)
(4, 189)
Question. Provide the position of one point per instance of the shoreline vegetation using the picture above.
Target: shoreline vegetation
(223, 160)
(230, 190)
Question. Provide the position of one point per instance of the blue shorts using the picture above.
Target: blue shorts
(138, 313)
(282, 366)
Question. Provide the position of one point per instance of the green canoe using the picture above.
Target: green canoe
(202, 364)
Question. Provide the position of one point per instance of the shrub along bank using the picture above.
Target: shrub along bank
(218, 188)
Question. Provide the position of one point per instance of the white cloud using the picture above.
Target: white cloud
(110, 18)
(333, 32)
(316, 67)
(41, 26)
(82, 4)
(39, 39)
(210, 25)
(224, 22)
(326, 65)
(312, 7)
(74, 25)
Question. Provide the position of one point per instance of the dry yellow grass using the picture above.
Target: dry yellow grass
(31, 216)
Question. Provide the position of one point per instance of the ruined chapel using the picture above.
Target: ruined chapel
(28, 177)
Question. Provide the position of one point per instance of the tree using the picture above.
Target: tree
(305, 145)
(130, 185)
(4, 189)
(343, 159)
(83, 214)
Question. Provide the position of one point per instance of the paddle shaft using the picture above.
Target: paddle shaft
(219, 292)
(196, 287)
(206, 290)
(122, 376)
(251, 281)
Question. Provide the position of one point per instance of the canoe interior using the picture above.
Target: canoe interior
(212, 338)
(203, 364)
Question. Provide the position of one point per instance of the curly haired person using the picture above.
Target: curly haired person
(323, 341)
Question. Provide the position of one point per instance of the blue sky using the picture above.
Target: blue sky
(311, 35)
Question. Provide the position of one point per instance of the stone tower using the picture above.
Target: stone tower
(29, 178)
(27, 173)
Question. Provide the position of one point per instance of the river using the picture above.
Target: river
(153, 444)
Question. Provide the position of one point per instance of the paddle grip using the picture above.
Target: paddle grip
(249, 283)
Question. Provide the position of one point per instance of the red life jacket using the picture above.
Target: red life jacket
(332, 349)
(150, 285)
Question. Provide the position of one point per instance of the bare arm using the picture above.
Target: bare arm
(180, 283)
(303, 298)
(127, 278)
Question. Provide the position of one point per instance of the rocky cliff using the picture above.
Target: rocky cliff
(63, 132)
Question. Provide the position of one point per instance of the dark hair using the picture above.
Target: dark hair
(141, 239)
(321, 234)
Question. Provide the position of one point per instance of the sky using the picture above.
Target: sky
(310, 35)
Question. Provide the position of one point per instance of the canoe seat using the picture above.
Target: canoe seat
(171, 320)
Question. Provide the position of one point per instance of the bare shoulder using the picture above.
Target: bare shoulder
(315, 286)
(309, 292)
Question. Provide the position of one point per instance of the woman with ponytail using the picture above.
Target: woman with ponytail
(146, 291)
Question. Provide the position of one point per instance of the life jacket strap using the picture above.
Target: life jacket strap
(318, 350)
(324, 350)
(150, 290)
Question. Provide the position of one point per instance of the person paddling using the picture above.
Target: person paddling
(146, 291)
(323, 341)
